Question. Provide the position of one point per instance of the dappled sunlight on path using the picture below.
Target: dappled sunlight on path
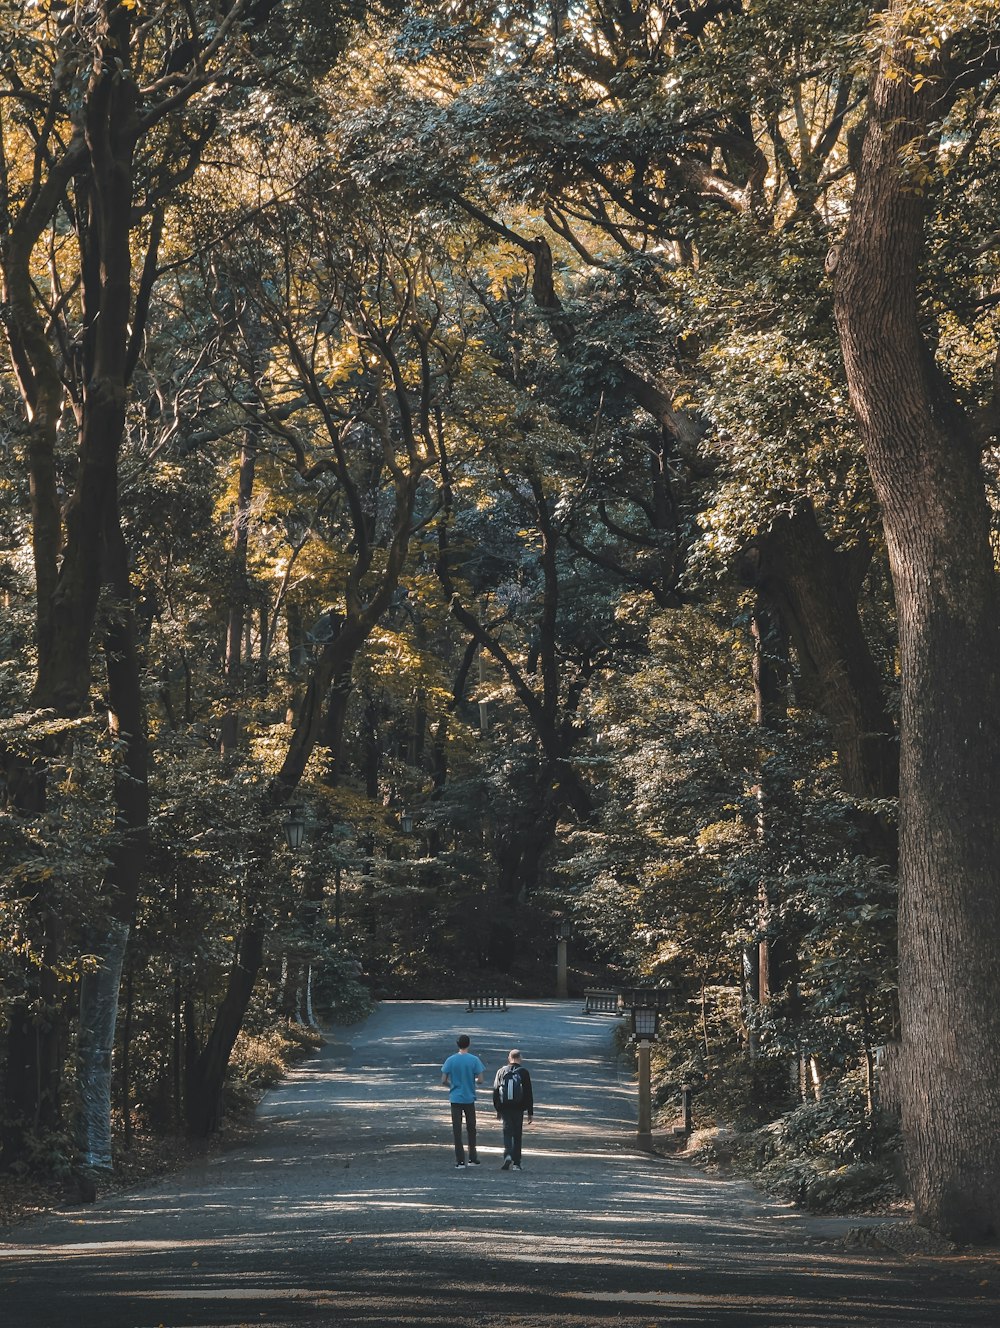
(347, 1209)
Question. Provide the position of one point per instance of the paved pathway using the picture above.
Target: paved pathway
(348, 1210)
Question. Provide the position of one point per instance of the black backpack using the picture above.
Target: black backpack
(510, 1086)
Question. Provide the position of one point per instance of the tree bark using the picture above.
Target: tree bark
(207, 1074)
(929, 482)
(127, 850)
(104, 208)
(813, 584)
(72, 559)
(98, 1016)
(770, 684)
(335, 720)
(238, 596)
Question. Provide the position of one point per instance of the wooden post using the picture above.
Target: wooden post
(644, 1135)
(686, 1108)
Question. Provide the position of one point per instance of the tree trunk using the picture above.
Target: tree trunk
(796, 565)
(104, 203)
(770, 684)
(238, 596)
(929, 482)
(290, 999)
(99, 991)
(310, 1013)
(98, 1016)
(331, 735)
(207, 1075)
(770, 665)
(126, 1061)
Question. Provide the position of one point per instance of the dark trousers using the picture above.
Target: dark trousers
(513, 1125)
(468, 1109)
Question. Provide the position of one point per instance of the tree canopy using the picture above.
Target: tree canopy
(553, 449)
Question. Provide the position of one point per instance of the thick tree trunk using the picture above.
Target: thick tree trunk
(98, 1016)
(929, 482)
(99, 991)
(128, 728)
(813, 584)
(104, 203)
(334, 723)
(71, 563)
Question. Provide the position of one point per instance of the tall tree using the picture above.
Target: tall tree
(105, 109)
(360, 342)
(673, 192)
(925, 459)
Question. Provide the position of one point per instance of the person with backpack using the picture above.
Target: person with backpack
(513, 1099)
(460, 1073)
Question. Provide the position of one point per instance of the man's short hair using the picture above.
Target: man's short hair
(513, 1055)
(464, 1039)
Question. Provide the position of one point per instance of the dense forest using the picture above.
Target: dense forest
(550, 452)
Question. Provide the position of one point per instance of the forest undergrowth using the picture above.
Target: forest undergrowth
(260, 1061)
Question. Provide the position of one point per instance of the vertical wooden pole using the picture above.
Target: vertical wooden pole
(644, 1136)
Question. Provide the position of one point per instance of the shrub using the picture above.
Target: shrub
(826, 1155)
(260, 1060)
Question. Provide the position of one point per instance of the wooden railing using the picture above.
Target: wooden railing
(598, 1000)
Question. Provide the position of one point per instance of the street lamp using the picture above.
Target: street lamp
(645, 1007)
(645, 1022)
(294, 827)
(406, 822)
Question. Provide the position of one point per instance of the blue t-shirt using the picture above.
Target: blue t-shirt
(462, 1068)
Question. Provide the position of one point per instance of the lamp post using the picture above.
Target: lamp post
(645, 1004)
(562, 964)
(294, 827)
(645, 1020)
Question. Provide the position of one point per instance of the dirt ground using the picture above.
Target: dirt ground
(346, 1209)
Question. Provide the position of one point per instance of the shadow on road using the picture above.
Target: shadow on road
(347, 1209)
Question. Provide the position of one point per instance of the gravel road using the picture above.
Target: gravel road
(347, 1209)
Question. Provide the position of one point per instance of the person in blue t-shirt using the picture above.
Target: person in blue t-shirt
(460, 1073)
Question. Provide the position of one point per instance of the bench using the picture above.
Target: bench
(487, 1000)
(600, 1001)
